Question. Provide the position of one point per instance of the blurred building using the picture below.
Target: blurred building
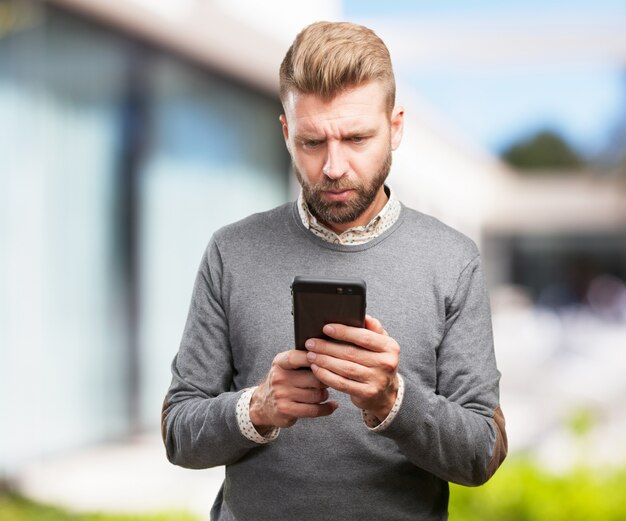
(122, 151)
(131, 136)
(554, 233)
(133, 130)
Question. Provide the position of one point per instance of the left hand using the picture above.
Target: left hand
(362, 363)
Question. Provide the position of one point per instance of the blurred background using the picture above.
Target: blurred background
(130, 131)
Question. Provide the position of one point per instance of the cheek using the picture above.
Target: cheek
(369, 161)
(309, 166)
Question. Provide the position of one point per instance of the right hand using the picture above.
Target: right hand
(288, 393)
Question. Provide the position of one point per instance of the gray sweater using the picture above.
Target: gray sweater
(425, 284)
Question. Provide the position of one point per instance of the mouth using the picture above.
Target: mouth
(338, 195)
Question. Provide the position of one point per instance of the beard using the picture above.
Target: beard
(342, 212)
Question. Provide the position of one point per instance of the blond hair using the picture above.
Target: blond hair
(327, 58)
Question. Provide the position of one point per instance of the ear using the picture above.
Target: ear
(283, 121)
(397, 126)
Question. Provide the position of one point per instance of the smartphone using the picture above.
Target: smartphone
(318, 301)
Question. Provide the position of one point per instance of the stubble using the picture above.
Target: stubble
(342, 212)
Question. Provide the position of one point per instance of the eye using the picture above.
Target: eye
(311, 143)
(357, 140)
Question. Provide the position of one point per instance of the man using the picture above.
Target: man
(380, 420)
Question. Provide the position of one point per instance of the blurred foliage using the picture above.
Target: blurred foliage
(581, 421)
(544, 150)
(16, 508)
(521, 491)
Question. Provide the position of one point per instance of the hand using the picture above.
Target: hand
(366, 370)
(288, 393)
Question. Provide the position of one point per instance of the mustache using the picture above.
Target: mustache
(335, 185)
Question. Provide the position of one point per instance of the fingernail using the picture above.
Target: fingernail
(328, 329)
(309, 343)
(311, 356)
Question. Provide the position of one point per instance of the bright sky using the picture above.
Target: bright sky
(480, 8)
(582, 99)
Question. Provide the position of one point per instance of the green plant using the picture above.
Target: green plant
(17, 508)
(522, 491)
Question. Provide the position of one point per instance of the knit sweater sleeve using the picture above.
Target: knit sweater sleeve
(456, 431)
(198, 421)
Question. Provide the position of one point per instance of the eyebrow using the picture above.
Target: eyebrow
(350, 134)
(361, 132)
(308, 137)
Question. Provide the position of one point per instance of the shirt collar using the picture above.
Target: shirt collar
(359, 234)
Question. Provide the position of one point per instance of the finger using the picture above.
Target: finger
(303, 379)
(344, 368)
(291, 359)
(359, 336)
(301, 410)
(339, 383)
(373, 324)
(348, 352)
(308, 395)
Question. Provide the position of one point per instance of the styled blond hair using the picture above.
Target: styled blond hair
(327, 58)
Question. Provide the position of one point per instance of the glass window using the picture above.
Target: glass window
(216, 155)
(62, 342)
(118, 163)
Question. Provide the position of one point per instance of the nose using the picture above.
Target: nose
(336, 165)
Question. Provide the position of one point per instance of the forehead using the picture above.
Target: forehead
(362, 105)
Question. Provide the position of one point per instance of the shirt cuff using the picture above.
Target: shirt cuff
(373, 423)
(246, 427)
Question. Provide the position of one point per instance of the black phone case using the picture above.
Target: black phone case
(317, 302)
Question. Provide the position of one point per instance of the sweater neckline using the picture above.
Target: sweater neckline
(296, 223)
